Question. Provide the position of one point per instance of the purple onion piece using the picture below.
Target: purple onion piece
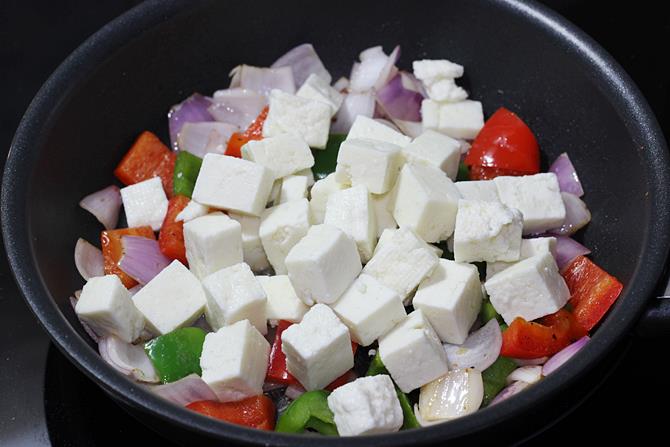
(577, 215)
(142, 259)
(399, 102)
(568, 181)
(564, 355)
(568, 249)
(104, 205)
(303, 61)
(88, 259)
(185, 391)
(509, 391)
(192, 110)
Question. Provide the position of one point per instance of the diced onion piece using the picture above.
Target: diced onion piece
(185, 390)
(509, 391)
(389, 70)
(531, 362)
(88, 259)
(142, 258)
(203, 138)
(568, 249)
(88, 329)
(104, 205)
(398, 102)
(577, 215)
(422, 422)
(354, 104)
(341, 84)
(192, 110)
(237, 106)
(128, 359)
(304, 61)
(564, 355)
(568, 181)
(294, 391)
(479, 351)
(529, 374)
(263, 80)
(458, 393)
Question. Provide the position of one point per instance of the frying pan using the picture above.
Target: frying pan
(521, 55)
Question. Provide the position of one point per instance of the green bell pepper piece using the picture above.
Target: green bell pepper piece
(488, 312)
(376, 366)
(177, 354)
(310, 410)
(186, 170)
(463, 173)
(326, 159)
(495, 377)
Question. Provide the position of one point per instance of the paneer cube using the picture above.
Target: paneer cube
(212, 242)
(430, 70)
(446, 90)
(538, 197)
(192, 210)
(293, 187)
(320, 193)
(306, 118)
(529, 289)
(252, 248)
(234, 361)
(283, 155)
(413, 353)
(401, 261)
(372, 163)
(366, 406)
(105, 305)
(351, 211)
(450, 298)
(323, 264)
(435, 149)
(172, 299)
(318, 349)
(282, 226)
(308, 174)
(487, 231)
(529, 247)
(369, 309)
(368, 129)
(462, 119)
(430, 114)
(233, 184)
(484, 190)
(384, 217)
(426, 201)
(145, 203)
(234, 294)
(283, 303)
(319, 89)
(273, 198)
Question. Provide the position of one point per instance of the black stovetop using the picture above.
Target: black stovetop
(45, 401)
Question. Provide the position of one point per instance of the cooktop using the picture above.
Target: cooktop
(45, 401)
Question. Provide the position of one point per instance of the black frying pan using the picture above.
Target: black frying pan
(520, 55)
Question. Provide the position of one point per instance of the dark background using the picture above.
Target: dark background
(46, 401)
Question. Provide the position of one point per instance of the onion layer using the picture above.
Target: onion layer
(577, 215)
(479, 351)
(88, 259)
(354, 104)
(142, 258)
(564, 355)
(185, 390)
(568, 249)
(568, 181)
(104, 205)
(203, 138)
(399, 102)
(458, 393)
(529, 374)
(509, 391)
(237, 106)
(192, 110)
(303, 61)
(263, 80)
(128, 359)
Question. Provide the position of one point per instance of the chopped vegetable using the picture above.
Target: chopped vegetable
(309, 411)
(529, 340)
(186, 171)
(112, 250)
(193, 109)
(510, 391)
(142, 258)
(88, 259)
(577, 215)
(568, 249)
(177, 354)
(376, 366)
(398, 101)
(463, 174)
(488, 312)
(277, 371)
(185, 391)
(171, 236)
(478, 351)
(128, 359)
(495, 378)
(253, 132)
(564, 355)
(457, 393)
(255, 412)
(324, 160)
(592, 291)
(104, 205)
(148, 157)
(568, 180)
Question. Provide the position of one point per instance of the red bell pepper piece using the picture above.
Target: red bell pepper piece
(171, 236)
(256, 411)
(112, 250)
(253, 132)
(592, 291)
(148, 157)
(530, 340)
(488, 173)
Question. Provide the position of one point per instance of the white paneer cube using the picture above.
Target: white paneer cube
(450, 298)
(351, 211)
(487, 231)
(369, 309)
(308, 174)
(384, 217)
(145, 203)
(372, 163)
(273, 198)
(323, 264)
(318, 89)
(234, 294)
(283, 303)
(430, 114)
(318, 349)
(306, 118)
(401, 261)
(234, 361)
(252, 248)
(484, 190)
(538, 197)
(282, 226)
(529, 247)
(413, 353)
(368, 129)
(192, 210)
(172, 299)
(105, 305)
(446, 90)
(293, 187)
(462, 119)
(429, 70)
(320, 193)
(435, 149)
(283, 155)
(233, 184)
(212, 242)
(366, 406)
(530, 289)
(426, 201)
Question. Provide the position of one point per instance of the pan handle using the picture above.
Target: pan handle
(655, 321)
